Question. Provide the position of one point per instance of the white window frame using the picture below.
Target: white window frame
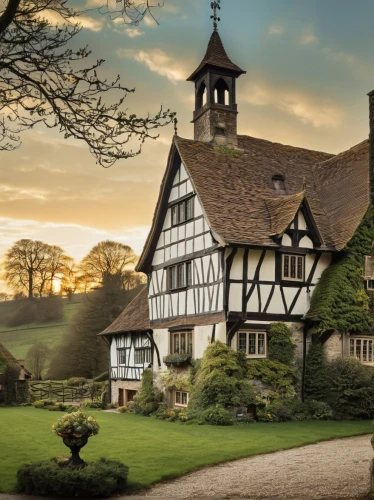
(181, 393)
(256, 333)
(297, 256)
(370, 285)
(362, 344)
(188, 342)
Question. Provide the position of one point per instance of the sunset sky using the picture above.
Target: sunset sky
(309, 63)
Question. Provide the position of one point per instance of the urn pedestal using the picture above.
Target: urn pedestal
(75, 444)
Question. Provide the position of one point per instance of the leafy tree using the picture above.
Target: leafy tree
(82, 353)
(106, 259)
(43, 79)
(4, 297)
(31, 267)
(37, 359)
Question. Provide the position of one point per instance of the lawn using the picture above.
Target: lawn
(153, 449)
(19, 339)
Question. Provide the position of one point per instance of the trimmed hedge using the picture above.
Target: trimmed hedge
(101, 478)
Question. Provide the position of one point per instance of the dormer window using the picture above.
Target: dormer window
(278, 183)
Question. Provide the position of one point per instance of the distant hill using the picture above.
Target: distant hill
(19, 339)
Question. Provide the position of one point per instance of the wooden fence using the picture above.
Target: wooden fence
(59, 391)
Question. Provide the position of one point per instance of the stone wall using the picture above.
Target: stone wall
(298, 335)
(126, 385)
(333, 347)
(210, 120)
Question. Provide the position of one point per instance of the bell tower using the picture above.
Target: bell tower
(215, 115)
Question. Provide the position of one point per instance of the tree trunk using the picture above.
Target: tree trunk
(30, 283)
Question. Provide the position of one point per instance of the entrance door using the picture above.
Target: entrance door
(121, 401)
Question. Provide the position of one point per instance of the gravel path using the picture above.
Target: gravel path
(337, 469)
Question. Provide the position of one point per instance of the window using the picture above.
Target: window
(142, 355)
(361, 349)
(180, 275)
(181, 342)
(252, 343)
(122, 356)
(278, 183)
(293, 267)
(370, 285)
(182, 211)
(181, 398)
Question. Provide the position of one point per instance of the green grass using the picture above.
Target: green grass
(19, 339)
(154, 450)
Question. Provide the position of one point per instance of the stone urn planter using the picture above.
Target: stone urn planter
(75, 429)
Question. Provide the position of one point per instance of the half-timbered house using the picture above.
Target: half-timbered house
(242, 231)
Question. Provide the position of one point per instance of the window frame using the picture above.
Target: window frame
(121, 351)
(247, 333)
(353, 343)
(146, 355)
(182, 211)
(290, 256)
(181, 392)
(178, 280)
(370, 288)
(188, 342)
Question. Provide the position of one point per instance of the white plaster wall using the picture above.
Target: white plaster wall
(286, 241)
(301, 221)
(202, 338)
(253, 258)
(237, 266)
(306, 242)
(221, 329)
(235, 297)
(267, 271)
(276, 303)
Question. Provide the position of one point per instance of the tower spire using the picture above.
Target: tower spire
(215, 5)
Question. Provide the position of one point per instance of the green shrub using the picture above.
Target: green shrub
(280, 377)
(316, 383)
(100, 478)
(275, 412)
(320, 410)
(300, 410)
(281, 346)
(216, 415)
(76, 381)
(351, 391)
(39, 404)
(221, 380)
(44, 402)
(99, 405)
(123, 409)
(144, 401)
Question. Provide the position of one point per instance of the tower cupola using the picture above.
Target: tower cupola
(215, 115)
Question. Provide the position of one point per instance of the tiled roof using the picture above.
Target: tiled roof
(282, 211)
(11, 359)
(216, 56)
(135, 317)
(234, 188)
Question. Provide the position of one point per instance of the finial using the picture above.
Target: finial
(215, 5)
(175, 126)
(304, 183)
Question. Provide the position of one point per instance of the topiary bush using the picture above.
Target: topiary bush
(221, 381)
(144, 401)
(316, 382)
(281, 346)
(216, 415)
(351, 389)
(101, 478)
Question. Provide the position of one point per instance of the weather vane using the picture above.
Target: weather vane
(175, 126)
(215, 5)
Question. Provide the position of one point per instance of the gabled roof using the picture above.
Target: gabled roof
(234, 188)
(11, 359)
(135, 317)
(216, 56)
(282, 212)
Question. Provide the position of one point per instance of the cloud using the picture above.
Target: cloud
(308, 37)
(309, 109)
(87, 22)
(134, 32)
(275, 29)
(157, 61)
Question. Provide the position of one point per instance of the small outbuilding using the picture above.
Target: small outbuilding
(14, 379)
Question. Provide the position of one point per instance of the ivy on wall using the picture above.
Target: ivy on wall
(339, 301)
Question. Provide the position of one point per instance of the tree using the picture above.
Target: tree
(43, 80)
(82, 353)
(4, 297)
(108, 258)
(31, 266)
(71, 278)
(37, 358)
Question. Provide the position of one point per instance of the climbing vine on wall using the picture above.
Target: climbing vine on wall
(339, 301)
